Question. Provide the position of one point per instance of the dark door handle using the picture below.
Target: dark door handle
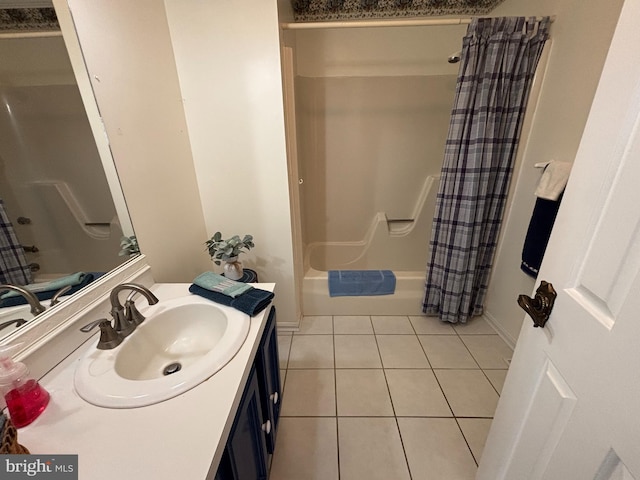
(539, 308)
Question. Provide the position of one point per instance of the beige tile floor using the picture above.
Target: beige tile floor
(386, 397)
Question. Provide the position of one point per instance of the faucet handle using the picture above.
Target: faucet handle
(132, 313)
(109, 338)
(17, 321)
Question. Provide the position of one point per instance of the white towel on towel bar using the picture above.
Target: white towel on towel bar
(553, 180)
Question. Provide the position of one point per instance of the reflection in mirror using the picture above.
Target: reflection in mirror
(59, 216)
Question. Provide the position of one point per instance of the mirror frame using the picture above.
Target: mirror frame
(81, 74)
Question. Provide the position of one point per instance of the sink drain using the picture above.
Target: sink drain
(172, 368)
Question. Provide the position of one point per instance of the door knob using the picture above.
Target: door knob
(539, 307)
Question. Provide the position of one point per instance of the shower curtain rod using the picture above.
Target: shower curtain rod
(30, 34)
(418, 22)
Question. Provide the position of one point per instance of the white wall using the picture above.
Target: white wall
(130, 60)
(580, 39)
(228, 62)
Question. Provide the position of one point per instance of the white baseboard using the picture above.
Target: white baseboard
(285, 327)
(500, 330)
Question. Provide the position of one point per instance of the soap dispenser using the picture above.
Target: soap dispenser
(25, 398)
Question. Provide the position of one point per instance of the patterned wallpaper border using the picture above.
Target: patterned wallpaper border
(28, 20)
(324, 10)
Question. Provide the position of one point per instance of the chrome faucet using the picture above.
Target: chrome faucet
(56, 296)
(36, 306)
(109, 338)
(126, 320)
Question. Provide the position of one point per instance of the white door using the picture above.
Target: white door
(570, 407)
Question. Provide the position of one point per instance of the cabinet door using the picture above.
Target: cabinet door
(246, 452)
(268, 370)
(224, 469)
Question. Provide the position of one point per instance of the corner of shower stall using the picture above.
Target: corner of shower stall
(367, 114)
(397, 245)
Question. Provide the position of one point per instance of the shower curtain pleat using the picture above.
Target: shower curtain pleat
(498, 62)
(13, 263)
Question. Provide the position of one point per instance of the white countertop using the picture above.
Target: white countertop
(182, 437)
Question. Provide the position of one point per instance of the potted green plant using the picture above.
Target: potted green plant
(129, 246)
(227, 250)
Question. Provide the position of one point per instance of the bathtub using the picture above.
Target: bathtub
(400, 246)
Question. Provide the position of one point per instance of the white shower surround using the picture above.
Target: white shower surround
(401, 247)
(370, 142)
(390, 52)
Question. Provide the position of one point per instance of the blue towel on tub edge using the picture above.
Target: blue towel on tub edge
(355, 283)
(250, 302)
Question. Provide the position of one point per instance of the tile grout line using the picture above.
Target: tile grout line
(466, 441)
(447, 417)
(477, 461)
(438, 381)
(335, 393)
(455, 417)
(467, 349)
(393, 408)
(394, 415)
(478, 363)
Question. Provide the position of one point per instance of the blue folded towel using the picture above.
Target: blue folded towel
(354, 283)
(250, 302)
(84, 280)
(217, 283)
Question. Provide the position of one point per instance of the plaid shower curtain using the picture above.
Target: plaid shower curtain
(13, 264)
(499, 58)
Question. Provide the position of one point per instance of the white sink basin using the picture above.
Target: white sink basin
(181, 343)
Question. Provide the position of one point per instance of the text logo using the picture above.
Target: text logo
(50, 467)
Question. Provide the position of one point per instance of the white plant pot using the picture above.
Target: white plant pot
(233, 269)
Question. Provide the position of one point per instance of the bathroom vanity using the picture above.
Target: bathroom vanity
(223, 428)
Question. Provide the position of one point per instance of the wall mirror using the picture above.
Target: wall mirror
(57, 178)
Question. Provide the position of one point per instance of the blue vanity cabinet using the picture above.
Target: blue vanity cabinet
(253, 434)
(245, 456)
(268, 370)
